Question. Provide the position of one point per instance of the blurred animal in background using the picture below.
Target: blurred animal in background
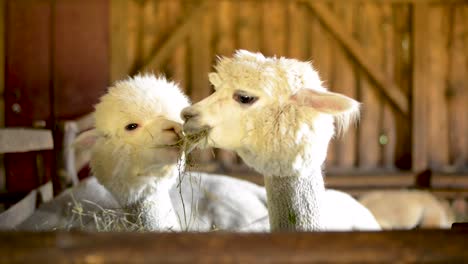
(408, 209)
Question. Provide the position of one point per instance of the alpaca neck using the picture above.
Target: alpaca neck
(295, 202)
(155, 211)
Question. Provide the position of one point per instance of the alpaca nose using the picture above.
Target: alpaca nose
(188, 113)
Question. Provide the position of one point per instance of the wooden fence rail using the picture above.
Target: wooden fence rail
(435, 246)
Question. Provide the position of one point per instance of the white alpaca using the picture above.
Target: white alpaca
(275, 113)
(135, 158)
(407, 209)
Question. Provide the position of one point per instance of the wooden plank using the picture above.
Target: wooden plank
(442, 246)
(436, 79)
(151, 29)
(369, 180)
(159, 55)
(370, 38)
(118, 57)
(395, 1)
(249, 26)
(420, 101)
(322, 61)
(2, 63)
(226, 21)
(2, 86)
(390, 91)
(28, 82)
(402, 75)
(298, 39)
(274, 28)
(14, 140)
(177, 65)
(134, 37)
(344, 81)
(458, 87)
(80, 56)
(19, 211)
(387, 138)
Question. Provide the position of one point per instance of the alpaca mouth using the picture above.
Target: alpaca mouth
(194, 136)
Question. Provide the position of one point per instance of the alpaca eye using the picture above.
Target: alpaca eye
(131, 126)
(245, 99)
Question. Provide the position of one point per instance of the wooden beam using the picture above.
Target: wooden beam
(441, 246)
(160, 54)
(14, 140)
(388, 89)
(392, 1)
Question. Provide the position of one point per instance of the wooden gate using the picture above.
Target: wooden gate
(406, 61)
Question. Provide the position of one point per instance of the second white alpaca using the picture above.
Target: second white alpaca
(275, 113)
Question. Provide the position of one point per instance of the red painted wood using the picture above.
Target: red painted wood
(56, 68)
(27, 79)
(81, 59)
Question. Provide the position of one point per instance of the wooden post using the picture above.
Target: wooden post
(457, 91)
(420, 102)
(370, 38)
(2, 86)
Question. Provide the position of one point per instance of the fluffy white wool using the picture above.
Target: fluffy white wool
(285, 133)
(139, 164)
(139, 98)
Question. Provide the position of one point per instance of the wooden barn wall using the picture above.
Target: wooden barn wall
(182, 39)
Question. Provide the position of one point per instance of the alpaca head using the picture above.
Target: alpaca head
(137, 130)
(274, 112)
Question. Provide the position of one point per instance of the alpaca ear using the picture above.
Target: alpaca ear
(326, 102)
(344, 109)
(214, 78)
(86, 139)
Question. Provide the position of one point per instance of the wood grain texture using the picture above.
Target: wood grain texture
(2, 86)
(178, 61)
(298, 39)
(274, 28)
(344, 81)
(249, 25)
(160, 55)
(457, 90)
(80, 56)
(118, 34)
(14, 140)
(388, 136)
(392, 92)
(370, 37)
(28, 82)
(402, 74)
(437, 133)
(341, 247)
(420, 102)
